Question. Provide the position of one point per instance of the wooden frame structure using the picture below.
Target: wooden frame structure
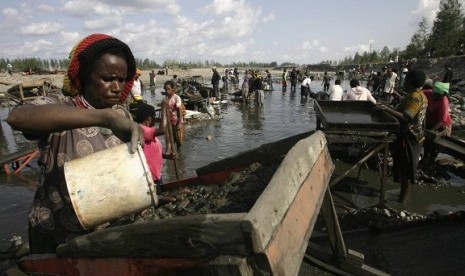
(17, 161)
(29, 90)
(270, 239)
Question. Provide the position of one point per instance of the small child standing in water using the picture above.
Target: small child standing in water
(144, 114)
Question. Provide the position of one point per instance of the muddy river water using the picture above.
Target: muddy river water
(240, 128)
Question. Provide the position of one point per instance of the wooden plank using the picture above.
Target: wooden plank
(286, 249)
(209, 179)
(265, 153)
(230, 266)
(49, 264)
(272, 205)
(181, 237)
(450, 145)
(25, 160)
(17, 155)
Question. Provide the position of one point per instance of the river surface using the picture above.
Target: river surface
(240, 128)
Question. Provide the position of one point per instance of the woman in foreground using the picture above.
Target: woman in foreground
(89, 117)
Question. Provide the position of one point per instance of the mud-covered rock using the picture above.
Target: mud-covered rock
(237, 195)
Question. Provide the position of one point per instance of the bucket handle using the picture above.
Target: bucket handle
(151, 191)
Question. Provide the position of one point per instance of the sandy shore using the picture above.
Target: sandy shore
(7, 81)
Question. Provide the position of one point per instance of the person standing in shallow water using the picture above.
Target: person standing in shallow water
(89, 118)
(269, 79)
(409, 142)
(153, 80)
(215, 83)
(293, 77)
(284, 79)
(326, 81)
(173, 103)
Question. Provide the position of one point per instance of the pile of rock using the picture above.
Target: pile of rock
(237, 195)
(457, 105)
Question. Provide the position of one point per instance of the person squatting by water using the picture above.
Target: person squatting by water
(408, 145)
(89, 117)
(191, 96)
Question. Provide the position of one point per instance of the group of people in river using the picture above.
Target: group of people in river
(417, 103)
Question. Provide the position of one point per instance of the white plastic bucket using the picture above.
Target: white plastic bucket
(109, 184)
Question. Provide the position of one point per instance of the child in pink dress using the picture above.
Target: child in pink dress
(144, 114)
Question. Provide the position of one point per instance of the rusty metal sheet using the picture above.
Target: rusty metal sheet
(354, 116)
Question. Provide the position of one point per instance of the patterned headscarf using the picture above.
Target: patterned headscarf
(82, 57)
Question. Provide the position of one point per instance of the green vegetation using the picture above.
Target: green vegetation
(445, 38)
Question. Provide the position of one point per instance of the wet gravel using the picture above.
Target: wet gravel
(240, 192)
(237, 195)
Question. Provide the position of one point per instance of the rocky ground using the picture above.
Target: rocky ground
(457, 105)
(239, 193)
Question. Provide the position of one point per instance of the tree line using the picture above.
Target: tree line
(41, 66)
(446, 37)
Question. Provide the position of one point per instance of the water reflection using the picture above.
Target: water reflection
(10, 140)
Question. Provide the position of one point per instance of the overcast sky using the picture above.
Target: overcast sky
(297, 31)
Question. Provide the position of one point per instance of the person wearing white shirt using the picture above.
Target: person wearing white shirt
(136, 89)
(305, 86)
(390, 84)
(335, 92)
(359, 93)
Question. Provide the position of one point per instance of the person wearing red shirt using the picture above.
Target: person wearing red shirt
(438, 117)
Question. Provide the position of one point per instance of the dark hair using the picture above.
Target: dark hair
(90, 66)
(354, 83)
(82, 61)
(416, 78)
(170, 83)
(141, 111)
(337, 81)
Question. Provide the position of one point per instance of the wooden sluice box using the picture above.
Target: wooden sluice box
(270, 239)
(349, 122)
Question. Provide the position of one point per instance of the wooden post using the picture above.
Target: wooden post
(384, 175)
(171, 138)
(21, 92)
